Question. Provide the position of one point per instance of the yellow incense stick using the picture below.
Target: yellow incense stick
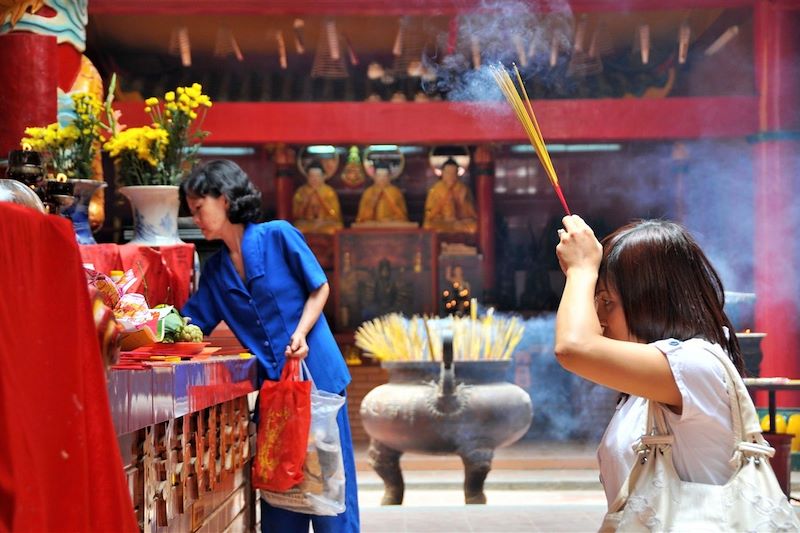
(551, 171)
(527, 118)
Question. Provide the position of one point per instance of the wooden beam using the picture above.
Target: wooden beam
(382, 7)
(470, 123)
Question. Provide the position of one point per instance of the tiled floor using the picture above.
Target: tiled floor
(547, 488)
(505, 516)
(532, 487)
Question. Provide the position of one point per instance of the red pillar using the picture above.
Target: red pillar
(28, 89)
(284, 182)
(484, 192)
(777, 185)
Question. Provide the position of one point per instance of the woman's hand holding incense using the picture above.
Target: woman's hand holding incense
(579, 250)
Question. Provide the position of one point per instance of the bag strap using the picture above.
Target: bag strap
(747, 429)
(291, 370)
(304, 370)
(656, 423)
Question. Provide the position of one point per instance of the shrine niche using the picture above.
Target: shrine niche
(383, 204)
(449, 203)
(316, 210)
(383, 271)
(315, 205)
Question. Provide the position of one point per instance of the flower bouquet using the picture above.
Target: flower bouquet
(71, 152)
(151, 161)
(162, 153)
(71, 148)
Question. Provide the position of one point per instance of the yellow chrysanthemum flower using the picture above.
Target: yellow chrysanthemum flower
(168, 145)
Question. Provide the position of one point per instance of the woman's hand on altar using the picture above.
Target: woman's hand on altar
(297, 346)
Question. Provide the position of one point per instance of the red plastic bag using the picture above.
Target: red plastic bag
(283, 425)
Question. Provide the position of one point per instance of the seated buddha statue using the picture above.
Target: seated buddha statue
(315, 206)
(449, 206)
(382, 201)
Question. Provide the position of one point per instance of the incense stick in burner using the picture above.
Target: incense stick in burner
(527, 118)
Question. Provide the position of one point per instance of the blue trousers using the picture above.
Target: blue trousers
(275, 520)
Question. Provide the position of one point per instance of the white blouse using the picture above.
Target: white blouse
(703, 432)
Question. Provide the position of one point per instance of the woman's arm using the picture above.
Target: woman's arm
(311, 311)
(201, 306)
(625, 365)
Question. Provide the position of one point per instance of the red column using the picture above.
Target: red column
(484, 192)
(28, 87)
(777, 54)
(284, 182)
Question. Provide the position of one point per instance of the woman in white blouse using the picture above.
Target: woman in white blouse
(639, 314)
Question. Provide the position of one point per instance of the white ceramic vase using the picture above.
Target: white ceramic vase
(155, 213)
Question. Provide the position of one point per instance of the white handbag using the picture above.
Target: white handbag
(654, 498)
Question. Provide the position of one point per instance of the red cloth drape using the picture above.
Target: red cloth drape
(60, 465)
(164, 273)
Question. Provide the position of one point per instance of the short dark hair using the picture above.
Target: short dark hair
(450, 161)
(315, 164)
(223, 177)
(666, 285)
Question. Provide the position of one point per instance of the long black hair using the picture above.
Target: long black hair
(223, 177)
(667, 286)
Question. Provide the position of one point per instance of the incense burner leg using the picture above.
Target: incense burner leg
(477, 464)
(386, 463)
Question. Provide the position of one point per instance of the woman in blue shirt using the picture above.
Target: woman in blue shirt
(266, 284)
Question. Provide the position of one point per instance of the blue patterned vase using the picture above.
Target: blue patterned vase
(155, 213)
(78, 212)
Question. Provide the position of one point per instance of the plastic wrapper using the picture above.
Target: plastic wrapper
(110, 291)
(140, 325)
(322, 491)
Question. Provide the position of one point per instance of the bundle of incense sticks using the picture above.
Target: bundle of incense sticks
(394, 337)
(524, 112)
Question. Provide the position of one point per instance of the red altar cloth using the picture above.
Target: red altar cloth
(60, 465)
(164, 274)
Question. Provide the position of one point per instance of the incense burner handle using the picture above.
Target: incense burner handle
(447, 377)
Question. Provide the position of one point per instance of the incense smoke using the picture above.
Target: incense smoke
(565, 407)
(500, 32)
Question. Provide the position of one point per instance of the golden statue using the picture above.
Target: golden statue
(315, 207)
(449, 206)
(382, 201)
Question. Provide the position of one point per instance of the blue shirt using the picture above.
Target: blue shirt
(263, 311)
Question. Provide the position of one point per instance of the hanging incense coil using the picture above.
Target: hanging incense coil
(226, 44)
(328, 59)
(409, 45)
(179, 45)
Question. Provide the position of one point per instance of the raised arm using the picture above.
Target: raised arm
(623, 363)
